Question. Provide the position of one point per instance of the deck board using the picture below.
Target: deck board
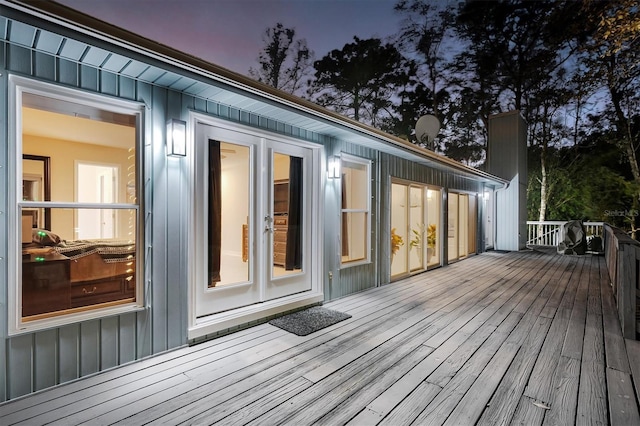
(500, 338)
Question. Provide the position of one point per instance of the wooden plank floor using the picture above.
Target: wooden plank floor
(501, 338)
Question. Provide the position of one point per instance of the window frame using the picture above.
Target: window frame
(346, 158)
(18, 86)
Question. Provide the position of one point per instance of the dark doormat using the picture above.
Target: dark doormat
(309, 320)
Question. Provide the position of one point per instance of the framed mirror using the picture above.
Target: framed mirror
(36, 186)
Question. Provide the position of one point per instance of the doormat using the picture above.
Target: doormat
(309, 320)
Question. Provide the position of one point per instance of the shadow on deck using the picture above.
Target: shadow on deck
(525, 337)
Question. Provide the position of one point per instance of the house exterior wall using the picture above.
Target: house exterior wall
(33, 361)
(507, 158)
(67, 353)
(392, 166)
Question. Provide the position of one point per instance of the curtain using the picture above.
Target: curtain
(293, 256)
(215, 212)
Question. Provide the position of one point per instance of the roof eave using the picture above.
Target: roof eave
(90, 26)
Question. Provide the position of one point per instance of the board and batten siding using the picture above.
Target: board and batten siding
(42, 359)
(38, 360)
(395, 167)
(347, 279)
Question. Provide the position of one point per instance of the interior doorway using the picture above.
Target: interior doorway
(96, 183)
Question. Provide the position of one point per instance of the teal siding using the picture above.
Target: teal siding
(38, 360)
(73, 351)
(404, 169)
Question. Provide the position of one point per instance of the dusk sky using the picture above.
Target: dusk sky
(229, 32)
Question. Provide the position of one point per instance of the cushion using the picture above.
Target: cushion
(44, 237)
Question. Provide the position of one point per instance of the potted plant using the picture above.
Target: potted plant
(416, 241)
(396, 242)
(431, 240)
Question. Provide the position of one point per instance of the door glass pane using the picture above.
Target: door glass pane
(287, 202)
(399, 241)
(452, 228)
(229, 219)
(417, 232)
(433, 228)
(473, 223)
(463, 225)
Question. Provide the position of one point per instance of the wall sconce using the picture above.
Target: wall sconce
(176, 138)
(333, 167)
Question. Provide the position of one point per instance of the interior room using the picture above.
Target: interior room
(76, 254)
(415, 227)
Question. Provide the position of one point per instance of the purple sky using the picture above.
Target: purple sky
(229, 32)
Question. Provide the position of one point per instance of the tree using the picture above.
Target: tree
(519, 50)
(285, 62)
(360, 79)
(612, 54)
(415, 100)
(424, 29)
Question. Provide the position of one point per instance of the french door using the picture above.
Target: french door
(253, 233)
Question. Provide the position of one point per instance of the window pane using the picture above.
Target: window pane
(355, 186)
(60, 273)
(354, 240)
(91, 152)
(355, 190)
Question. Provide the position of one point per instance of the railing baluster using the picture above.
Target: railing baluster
(549, 233)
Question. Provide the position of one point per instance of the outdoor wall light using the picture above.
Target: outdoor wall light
(176, 138)
(333, 167)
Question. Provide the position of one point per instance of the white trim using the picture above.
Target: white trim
(218, 322)
(205, 325)
(17, 86)
(367, 260)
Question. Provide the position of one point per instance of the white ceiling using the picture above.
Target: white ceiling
(52, 125)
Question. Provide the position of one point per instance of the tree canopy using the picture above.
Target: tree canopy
(572, 69)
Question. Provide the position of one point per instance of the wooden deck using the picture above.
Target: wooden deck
(518, 338)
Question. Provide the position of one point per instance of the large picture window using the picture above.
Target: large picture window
(356, 210)
(76, 205)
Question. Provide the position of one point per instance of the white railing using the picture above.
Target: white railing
(550, 233)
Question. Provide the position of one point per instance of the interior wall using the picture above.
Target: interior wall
(235, 200)
(63, 174)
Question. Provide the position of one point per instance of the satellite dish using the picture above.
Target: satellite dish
(427, 128)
